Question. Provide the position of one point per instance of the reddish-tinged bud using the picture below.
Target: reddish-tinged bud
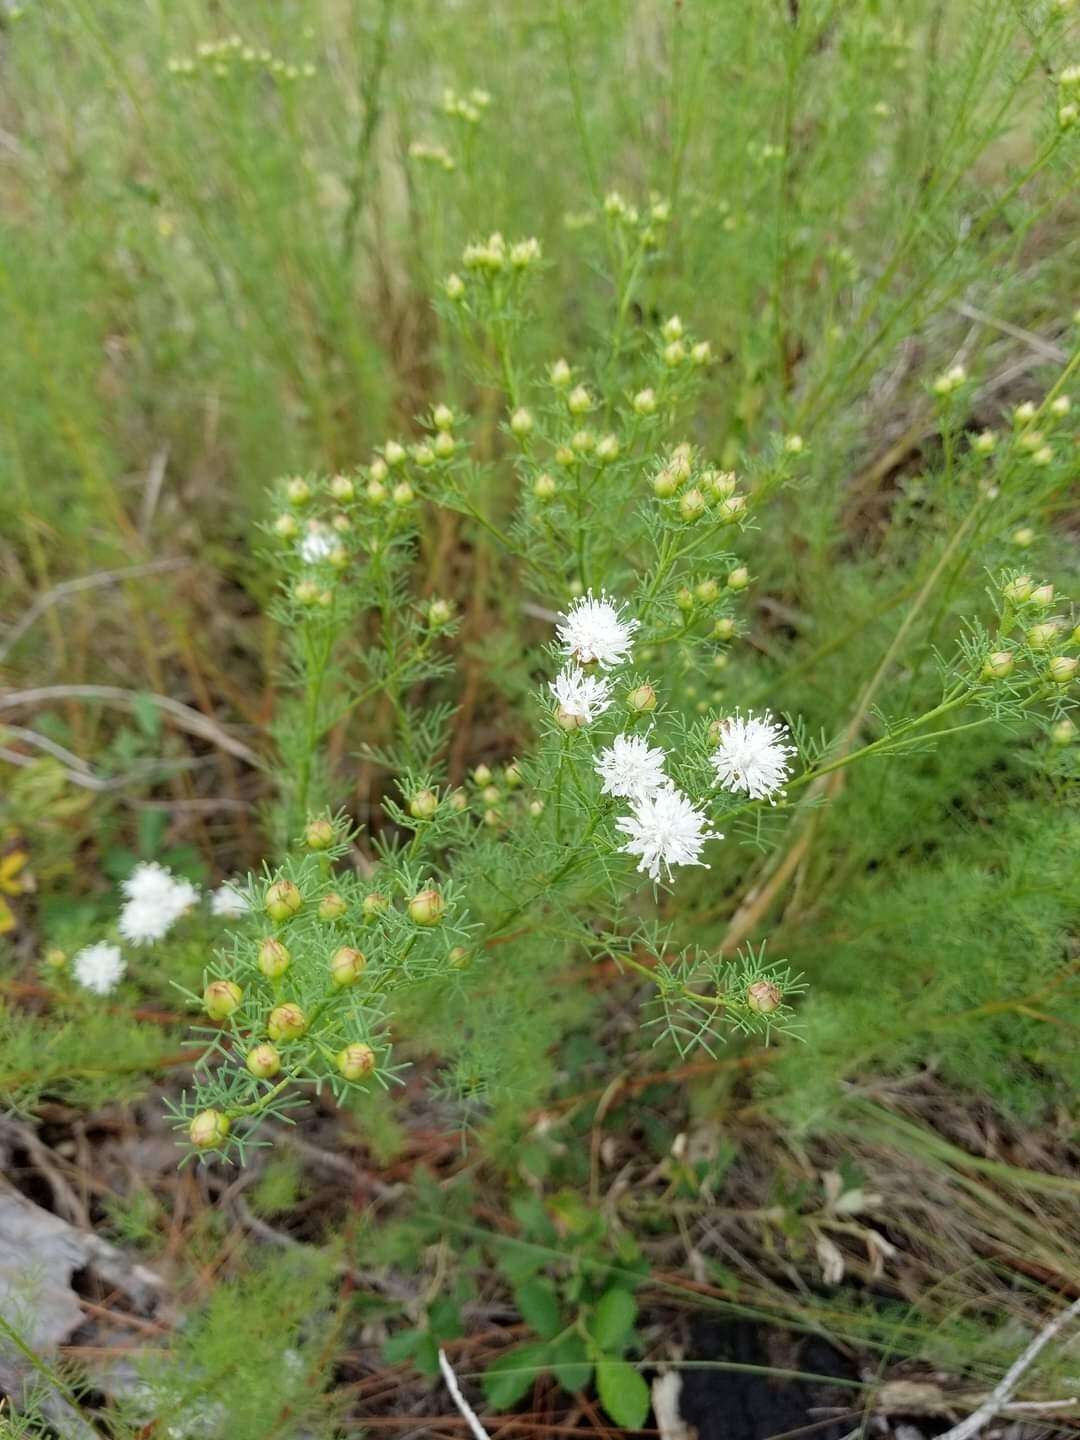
(283, 900)
(274, 958)
(263, 1062)
(427, 908)
(346, 966)
(356, 1062)
(221, 998)
(209, 1129)
(763, 997)
(286, 1022)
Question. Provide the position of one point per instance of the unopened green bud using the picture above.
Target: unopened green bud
(672, 329)
(1023, 537)
(342, 488)
(739, 578)
(644, 402)
(427, 907)
(560, 374)
(521, 422)
(1025, 413)
(984, 442)
(287, 526)
(1063, 668)
(439, 612)
(608, 449)
(443, 417)
(286, 1022)
(338, 557)
(701, 353)
(209, 1129)
(997, 665)
(482, 775)
(1041, 637)
(346, 966)
(264, 1061)
(458, 799)
(763, 997)
(222, 998)
(724, 628)
(424, 456)
(443, 445)
(374, 903)
(707, 591)
(536, 807)
(674, 354)
(307, 593)
(318, 835)
(1064, 732)
(692, 504)
(454, 287)
(332, 906)
(684, 599)
(579, 401)
(564, 455)
(665, 483)
(459, 958)
(512, 775)
(282, 900)
(582, 442)
(274, 958)
(393, 453)
(423, 804)
(731, 510)
(544, 487)
(794, 444)
(642, 699)
(1019, 589)
(492, 817)
(54, 958)
(375, 491)
(491, 795)
(402, 494)
(298, 492)
(356, 1062)
(1060, 405)
(721, 483)
(1042, 595)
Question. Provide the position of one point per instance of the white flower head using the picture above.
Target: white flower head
(665, 830)
(752, 755)
(594, 630)
(581, 698)
(99, 967)
(155, 901)
(317, 545)
(631, 768)
(229, 902)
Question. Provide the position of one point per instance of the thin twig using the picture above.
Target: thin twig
(459, 1400)
(1001, 1394)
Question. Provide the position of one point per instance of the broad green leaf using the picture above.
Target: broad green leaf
(539, 1306)
(570, 1362)
(401, 1346)
(508, 1378)
(614, 1319)
(623, 1393)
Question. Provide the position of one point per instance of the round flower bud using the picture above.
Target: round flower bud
(722, 483)
(482, 775)
(286, 1022)
(567, 720)
(665, 483)
(560, 374)
(579, 401)
(582, 442)
(424, 456)
(1030, 440)
(341, 523)
(402, 493)
(674, 354)
(286, 526)
(356, 1062)
(423, 804)
(1060, 405)
(492, 818)
(298, 492)
(701, 353)
(794, 445)
(374, 903)
(459, 958)
(426, 907)
(724, 628)
(264, 1061)
(222, 998)
(984, 442)
(1025, 413)
(1064, 732)
(731, 510)
(521, 422)
(491, 795)
(684, 599)
(375, 491)
(55, 958)
(512, 775)
(1043, 456)
(209, 1129)
(341, 488)
(707, 591)
(763, 997)
(1019, 589)
(672, 329)
(544, 487)
(458, 799)
(454, 287)
(997, 665)
(346, 966)
(720, 661)
(681, 458)
(318, 835)
(608, 449)
(644, 402)
(282, 900)
(1041, 637)
(393, 453)
(443, 417)
(642, 699)
(273, 958)
(338, 557)
(739, 578)
(692, 504)
(444, 445)
(325, 599)
(307, 593)
(1042, 595)
(332, 906)
(1024, 536)
(439, 612)
(564, 455)
(536, 807)
(1063, 668)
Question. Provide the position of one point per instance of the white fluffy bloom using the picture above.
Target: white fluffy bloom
(631, 768)
(228, 902)
(752, 755)
(581, 698)
(155, 901)
(594, 630)
(99, 967)
(664, 830)
(317, 544)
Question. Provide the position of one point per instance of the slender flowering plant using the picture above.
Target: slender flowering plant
(638, 787)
